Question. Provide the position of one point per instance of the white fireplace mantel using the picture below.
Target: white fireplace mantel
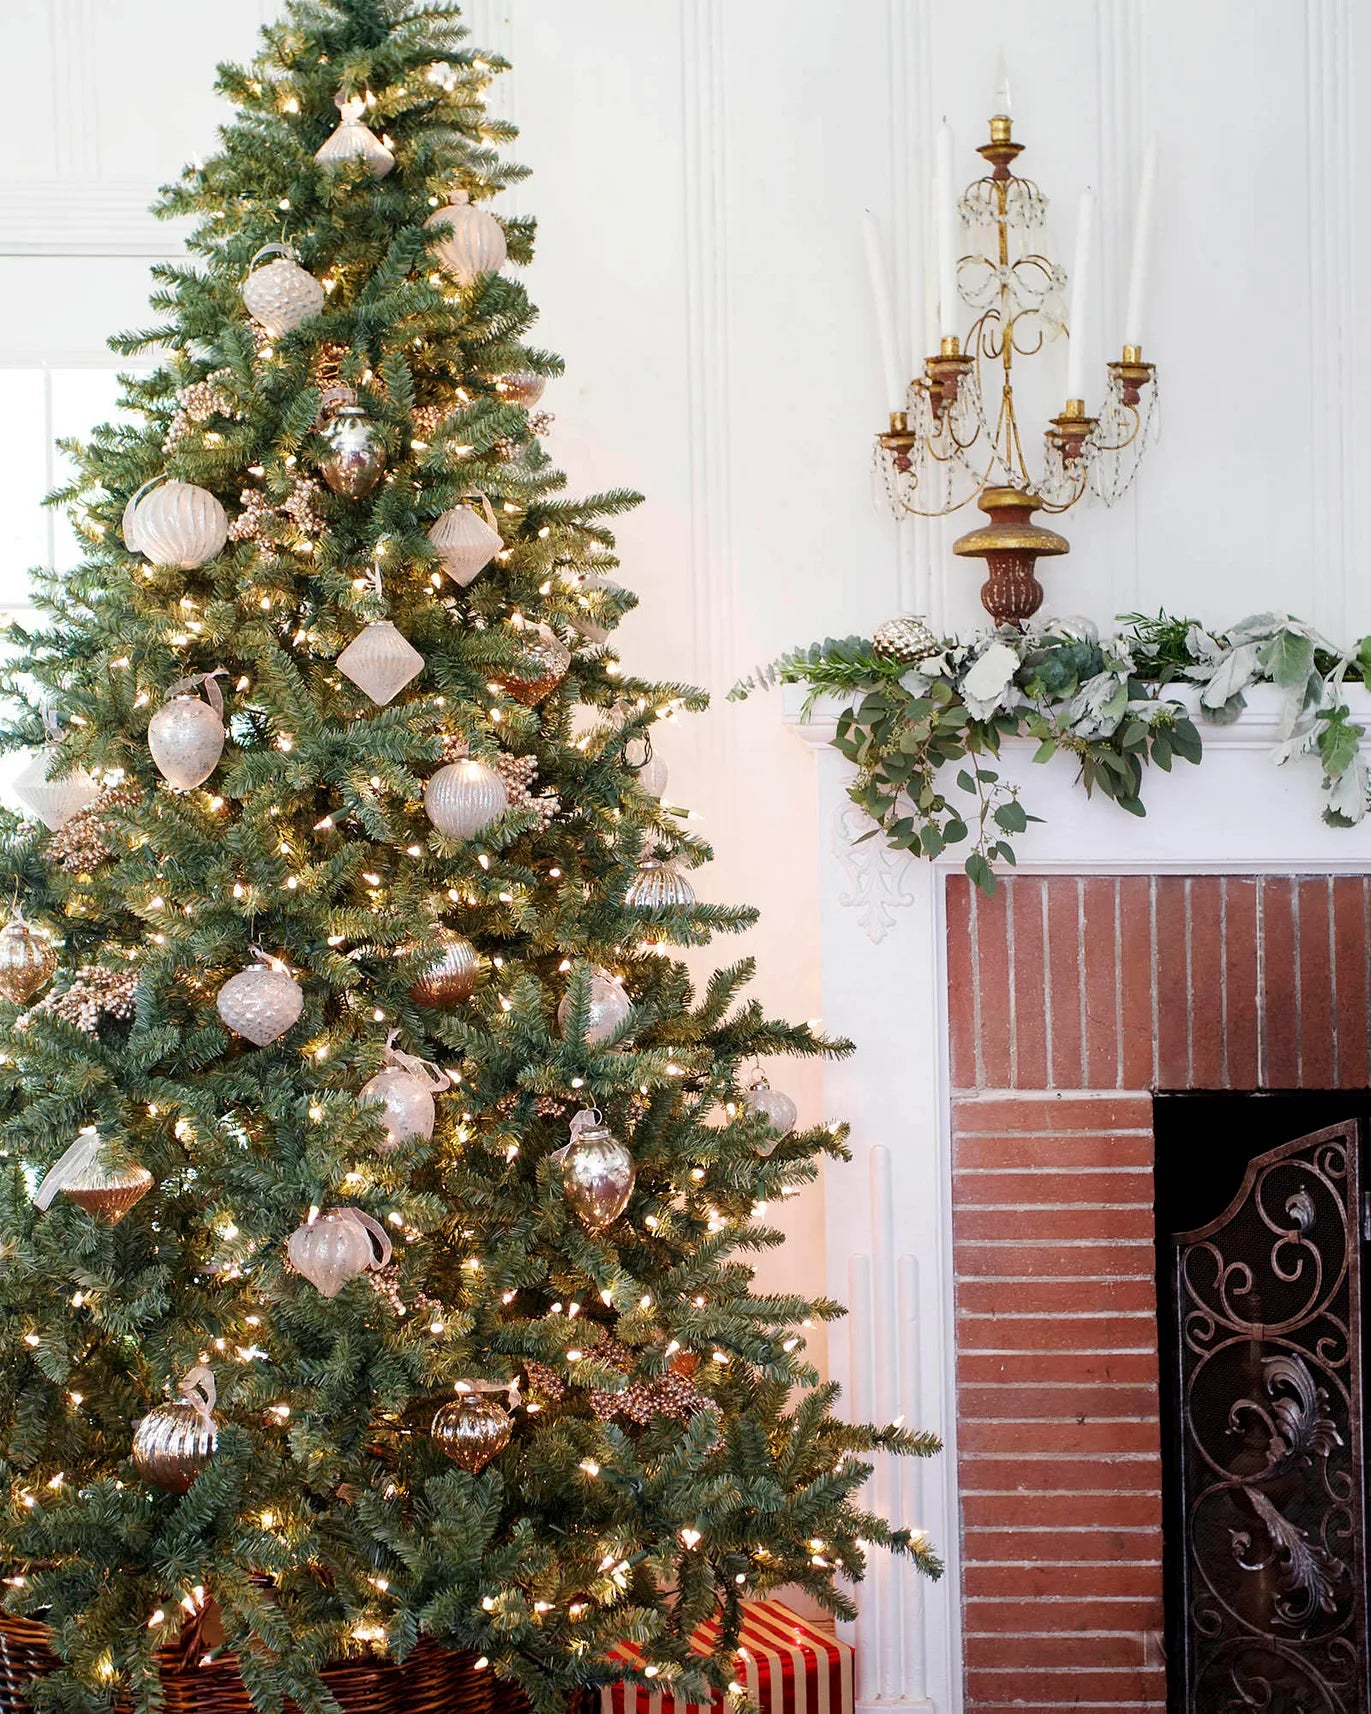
(889, 1240)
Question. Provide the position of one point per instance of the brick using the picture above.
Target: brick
(1070, 1686)
(987, 1651)
(1124, 1150)
(1053, 1438)
(1064, 1062)
(1127, 1613)
(1173, 983)
(1051, 1259)
(1205, 998)
(1094, 1368)
(961, 1009)
(990, 928)
(1043, 1581)
(1051, 1188)
(1029, 976)
(1101, 1477)
(1094, 1223)
(1242, 1024)
(1136, 971)
(1279, 998)
(1057, 1297)
(1049, 1114)
(1317, 1059)
(1056, 1705)
(1099, 955)
(1023, 1401)
(1352, 979)
(1060, 1511)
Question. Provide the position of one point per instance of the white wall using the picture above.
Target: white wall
(700, 171)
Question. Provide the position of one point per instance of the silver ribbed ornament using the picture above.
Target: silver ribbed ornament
(336, 1246)
(53, 801)
(281, 296)
(906, 639)
(186, 736)
(597, 1172)
(776, 1107)
(608, 1007)
(380, 661)
(474, 246)
(261, 1003)
(466, 542)
(464, 798)
(176, 524)
(353, 141)
(354, 457)
(174, 1442)
(658, 886)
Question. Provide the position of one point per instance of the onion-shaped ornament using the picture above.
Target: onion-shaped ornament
(466, 542)
(353, 141)
(607, 1008)
(451, 977)
(597, 1172)
(380, 661)
(354, 456)
(337, 1245)
(54, 801)
(775, 1106)
(658, 886)
(474, 246)
(473, 1428)
(404, 1088)
(174, 1442)
(95, 1176)
(262, 1002)
(907, 639)
(186, 736)
(464, 798)
(177, 524)
(28, 958)
(522, 387)
(548, 659)
(281, 296)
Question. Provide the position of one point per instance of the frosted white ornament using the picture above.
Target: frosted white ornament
(336, 1246)
(466, 542)
(282, 295)
(476, 243)
(776, 1107)
(380, 661)
(464, 798)
(404, 1088)
(353, 141)
(608, 1007)
(262, 1002)
(176, 524)
(186, 736)
(53, 801)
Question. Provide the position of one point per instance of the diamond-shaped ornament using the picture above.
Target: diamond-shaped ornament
(53, 801)
(380, 661)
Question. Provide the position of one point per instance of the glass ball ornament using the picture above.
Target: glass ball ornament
(475, 243)
(53, 800)
(907, 639)
(608, 1007)
(354, 456)
(464, 798)
(597, 1172)
(451, 977)
(547, 658)
(466, 542)
(336, 1247)
(28, 958)
(174, 1442)
(380, 661)
(261, 1003)
(186, 737)
(521, 387)
(103, 1180)
(406, 1103)
(354, 141)
(282, 295)
(776, 1107)
(658, 885)
(471, 1430)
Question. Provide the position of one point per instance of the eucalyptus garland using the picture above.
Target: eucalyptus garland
(924, 735)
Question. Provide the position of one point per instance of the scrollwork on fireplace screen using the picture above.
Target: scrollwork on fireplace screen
(1268, 1298)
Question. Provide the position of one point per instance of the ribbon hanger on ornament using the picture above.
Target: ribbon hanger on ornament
(82, 1154)
(434, 1075)
(197, 1388)
(195, 681)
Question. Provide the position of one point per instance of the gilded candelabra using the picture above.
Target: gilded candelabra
(956, 441)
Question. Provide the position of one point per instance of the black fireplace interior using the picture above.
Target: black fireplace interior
(1261, 1213)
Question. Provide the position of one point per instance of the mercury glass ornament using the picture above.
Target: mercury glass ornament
(281, 296)
(522, 387)
(103, 1181)
(28, 958)
(353, 141)
(776, 1108)
(906, 639)
(474, 246)
(549, 659)
(174, 1442)
(186, 735)
(452, 976)
(380, 661)
(471, 1430)
(597, 1172)
(261, 1003)
(608, 1007)
(336, 1247)
(53, 801)
(466, 542)
(658, 886)
(354, 459)
(179, 524)
(406, 1103)
(464, 798)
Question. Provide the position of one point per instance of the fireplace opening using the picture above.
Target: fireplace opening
(1261, 1220)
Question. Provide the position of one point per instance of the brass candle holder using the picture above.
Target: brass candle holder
(958, 440)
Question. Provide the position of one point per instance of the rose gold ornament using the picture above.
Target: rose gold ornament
(451, 978)
(174, 1442)
(102, 1180)
(548, 659)
(522, 387)
(472, 1430)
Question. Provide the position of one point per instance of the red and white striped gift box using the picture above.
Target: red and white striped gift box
(784, 1664)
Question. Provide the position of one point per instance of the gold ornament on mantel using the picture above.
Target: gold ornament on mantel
(28, 958)
(906, 639)
(474, 1427)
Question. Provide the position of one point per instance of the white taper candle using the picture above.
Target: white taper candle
(1004, 107)
(1080, 296)
(946, 205)
(1142, 246)
(885, 315)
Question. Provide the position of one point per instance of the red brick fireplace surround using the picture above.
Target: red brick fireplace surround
(1070, 1001)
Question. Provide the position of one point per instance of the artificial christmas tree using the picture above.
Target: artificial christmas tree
(278, 929)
